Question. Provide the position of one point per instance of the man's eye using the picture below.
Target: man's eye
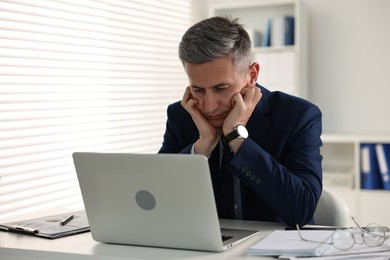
(220, 89)
(197, 90)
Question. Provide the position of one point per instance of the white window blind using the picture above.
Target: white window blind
(81, 75)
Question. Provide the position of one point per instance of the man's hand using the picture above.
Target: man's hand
(208, 135)
(243, 104)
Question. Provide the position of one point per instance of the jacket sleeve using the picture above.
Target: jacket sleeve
(290, 186)
(180, 133)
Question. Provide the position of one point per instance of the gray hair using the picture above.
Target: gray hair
(214, 38)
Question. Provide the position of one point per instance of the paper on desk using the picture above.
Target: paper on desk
(281, 242)
(361, 248)
(359, 256)
(289, 244)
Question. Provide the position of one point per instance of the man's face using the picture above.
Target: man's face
(214, 84)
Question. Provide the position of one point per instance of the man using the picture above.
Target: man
(275, 173)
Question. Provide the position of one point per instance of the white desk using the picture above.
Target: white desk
(22, 247)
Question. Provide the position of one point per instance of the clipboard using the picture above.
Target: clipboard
(51, 227)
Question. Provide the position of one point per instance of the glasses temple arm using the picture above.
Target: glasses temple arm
(357, 224)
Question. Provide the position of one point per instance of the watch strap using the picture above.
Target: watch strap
(235, 134)
(231, 136)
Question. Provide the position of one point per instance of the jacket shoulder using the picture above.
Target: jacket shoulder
(278, 100)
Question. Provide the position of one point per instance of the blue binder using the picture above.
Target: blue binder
(267, 34)
(288, 30)
(383, 156)
(370, 175)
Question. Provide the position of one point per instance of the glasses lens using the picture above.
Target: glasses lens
(343, 239)
(374, 235)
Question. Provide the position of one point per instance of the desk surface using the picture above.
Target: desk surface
(22, 247)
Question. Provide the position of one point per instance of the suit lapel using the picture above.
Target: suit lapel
(258, 123)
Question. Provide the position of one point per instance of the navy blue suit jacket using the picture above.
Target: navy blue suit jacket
(279, 165)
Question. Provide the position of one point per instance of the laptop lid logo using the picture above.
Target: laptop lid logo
(145, 200)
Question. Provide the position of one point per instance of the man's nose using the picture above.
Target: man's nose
(210, 103)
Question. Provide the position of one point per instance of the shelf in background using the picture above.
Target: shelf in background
(273, 49)
(342, 161)
(283, 67)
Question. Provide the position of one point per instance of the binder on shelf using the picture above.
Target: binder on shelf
(267, 34)
(288, 30)
(52, 227)
(383, 156)
(370, 175)
(282, 31)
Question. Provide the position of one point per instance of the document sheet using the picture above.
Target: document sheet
(288, 243)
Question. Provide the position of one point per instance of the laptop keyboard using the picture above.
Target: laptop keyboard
(226, 237)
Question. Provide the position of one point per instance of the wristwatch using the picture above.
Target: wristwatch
(239, 132)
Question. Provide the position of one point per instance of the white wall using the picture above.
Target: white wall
(349, 63)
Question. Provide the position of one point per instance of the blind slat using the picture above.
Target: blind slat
(88, 52)
(121, 65)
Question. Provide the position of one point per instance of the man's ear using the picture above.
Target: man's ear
(254, 71)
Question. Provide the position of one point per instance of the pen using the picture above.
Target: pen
(66, 220)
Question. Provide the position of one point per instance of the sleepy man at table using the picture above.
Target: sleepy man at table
(263, 147)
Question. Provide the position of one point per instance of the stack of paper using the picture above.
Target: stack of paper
(282, 242)
(289, 244)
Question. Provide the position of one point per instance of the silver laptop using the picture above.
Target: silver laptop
(159, 200)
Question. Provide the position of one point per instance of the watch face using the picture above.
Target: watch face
(241, 130)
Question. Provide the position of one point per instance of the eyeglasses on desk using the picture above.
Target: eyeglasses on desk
(345, 238)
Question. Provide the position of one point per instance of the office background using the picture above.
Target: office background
(348, 78)
(349, 69)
